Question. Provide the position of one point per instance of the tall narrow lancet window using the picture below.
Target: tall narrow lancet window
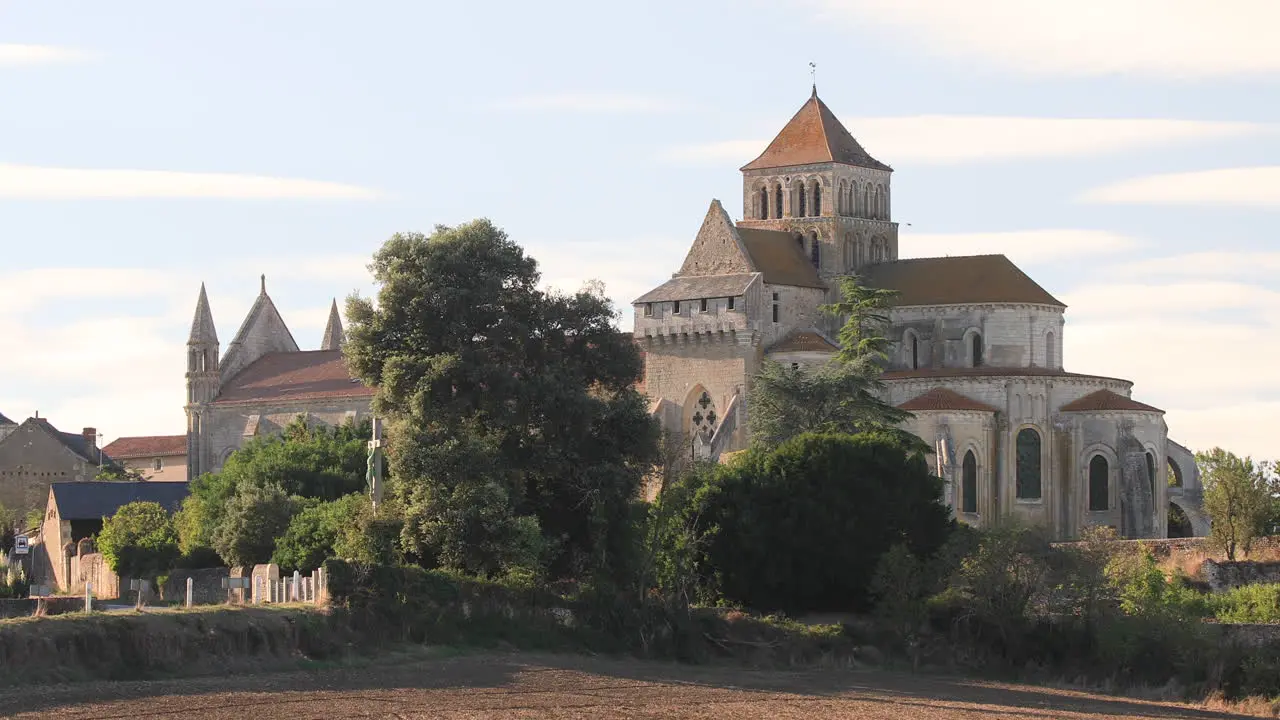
(975, 349)
(1027, 477)
(764, 203)
(814, 246)
(866, 201)
(800, 193)
(969, 483)
(1099, 484)
(915, 352)
(817, 199)
(842, 205)
(1050, 351)
(777, 200)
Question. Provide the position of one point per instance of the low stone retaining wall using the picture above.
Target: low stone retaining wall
(26, 607)
(1223, 576)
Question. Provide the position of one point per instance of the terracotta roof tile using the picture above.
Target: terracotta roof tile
(804, 341)
(1103, 400)
(814, 135)
(285, 376)
(778, 256)
(959, 280)
(941, 398)
(149, 446)
(694, 287)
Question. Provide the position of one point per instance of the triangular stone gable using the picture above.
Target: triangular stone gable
(264, 331)
(717, 250)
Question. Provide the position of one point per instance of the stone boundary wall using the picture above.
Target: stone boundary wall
(206, 586)
(26, 607)
(1223, 576)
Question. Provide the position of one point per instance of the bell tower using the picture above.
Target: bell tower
(202, 383)
(816, 182)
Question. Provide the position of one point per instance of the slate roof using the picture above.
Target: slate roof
(804, 341)
(961, 280)
(286, 376)
(694, 287)
(1103, 400)
(75, 442)
(6, 421)
(814, 135)
(96, 500)
(779, 257)
(148, 446)
(941, 398)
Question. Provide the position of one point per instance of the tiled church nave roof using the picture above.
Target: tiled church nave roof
(778, 256)
(1104, 400)
(941, 398)
(289, 376)
(695, 287)
(962, 280)
(814, 135)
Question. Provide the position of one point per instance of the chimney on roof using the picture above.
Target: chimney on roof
(90, 437)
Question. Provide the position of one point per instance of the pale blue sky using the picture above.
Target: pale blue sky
(596, 134)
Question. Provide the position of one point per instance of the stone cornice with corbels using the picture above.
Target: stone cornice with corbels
(655, 337)
(971, 307)
(1048, 381)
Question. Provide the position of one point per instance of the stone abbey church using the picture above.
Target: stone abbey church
(976, 347)
(262, 383)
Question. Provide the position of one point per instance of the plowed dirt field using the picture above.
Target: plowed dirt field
(523, 685)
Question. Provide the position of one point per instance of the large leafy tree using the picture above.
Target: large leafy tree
(526, 397)
(139, 541)
(303, 463)
(254, 518)
(802, 527)
(1237, 498)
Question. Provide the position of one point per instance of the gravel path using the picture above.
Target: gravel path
(552, 686)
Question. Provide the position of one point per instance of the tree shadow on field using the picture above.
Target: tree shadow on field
(492, 681)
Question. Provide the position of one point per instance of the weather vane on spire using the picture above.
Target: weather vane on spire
(813, 73)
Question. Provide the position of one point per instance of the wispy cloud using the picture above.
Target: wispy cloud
(1026, 247)
(12, 54)
(948, 139)
(1247, 186)
(46, 183)
(589, 103)
(1209, 264)
(1162, 38)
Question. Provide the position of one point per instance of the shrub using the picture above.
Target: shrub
(802, 527)
(139, 541)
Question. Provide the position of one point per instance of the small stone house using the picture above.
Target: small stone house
(159, 458)
(35, 454)
(62, 554)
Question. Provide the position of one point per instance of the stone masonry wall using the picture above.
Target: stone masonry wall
(225, 424)
(30, 461)
(1013, 335)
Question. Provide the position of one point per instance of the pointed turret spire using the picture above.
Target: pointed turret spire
(264, 283)
(202, 329)
(333, 334)
(814, 136)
